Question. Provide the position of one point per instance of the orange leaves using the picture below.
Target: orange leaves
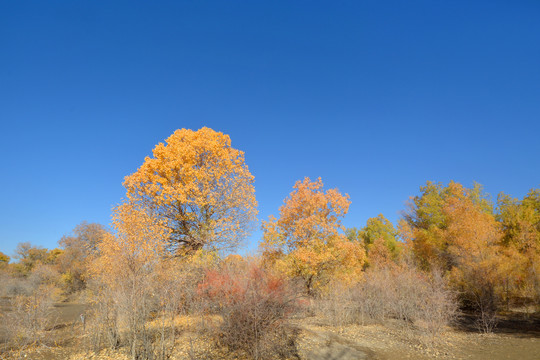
(135, 247)
(200, 187)
(470, 230)
(308, 213)
(306, 240)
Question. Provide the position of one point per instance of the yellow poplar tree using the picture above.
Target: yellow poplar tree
(135, 247)
(425, 222)
(200, 186)
(520, 221)
(307, 239)
(476, 257)
(126, 267)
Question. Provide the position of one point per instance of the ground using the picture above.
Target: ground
(392, 343)
(514, 339)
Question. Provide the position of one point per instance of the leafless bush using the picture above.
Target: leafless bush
(401, 293)
(101, 322)
(338, 306)
(29, 317)
(137, 312)
(485, 301)
(119, 317)
(44, 274)
(486, 321)
(14, 285)
(440, 305)
(255, 307)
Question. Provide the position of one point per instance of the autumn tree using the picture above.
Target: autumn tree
(379, 238)
(200, 186)
(126, 272)
(425, 221)
(475, 256)
(78, 247)
(520, 221)
(29, 256)
(307, 239)
(454, 229)
(4, 259)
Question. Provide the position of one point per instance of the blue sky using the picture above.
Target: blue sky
(375, 97)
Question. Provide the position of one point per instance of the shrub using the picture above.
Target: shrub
(13, 286)
(255, 307)
(400, 293)
(29, 317)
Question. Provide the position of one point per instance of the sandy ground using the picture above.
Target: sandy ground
(383, 342)
(316, 341)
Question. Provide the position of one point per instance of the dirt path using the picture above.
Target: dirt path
(326, 345)
(67, 312)
(389, 343)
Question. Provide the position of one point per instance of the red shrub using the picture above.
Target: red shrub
(255, 307)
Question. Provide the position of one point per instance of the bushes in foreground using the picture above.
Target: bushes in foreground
(29, 318)
(401, 293)
(255, 307)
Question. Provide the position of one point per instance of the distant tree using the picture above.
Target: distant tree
(378, 232)
(4, 259)
(307, 239)
(82, 243)
(200, 186)
(520, 222)
(425, 221)
(28, 256)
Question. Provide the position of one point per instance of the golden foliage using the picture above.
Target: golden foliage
(134, 248)
(308, 213)
(307, 240)
(200, 186)
(473, 239)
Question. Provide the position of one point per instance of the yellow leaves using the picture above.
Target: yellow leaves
(306, 242)
(137, 244)
(200, 186)
(470, 231)
(307, 213)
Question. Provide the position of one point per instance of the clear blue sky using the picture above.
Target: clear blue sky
(376, 97)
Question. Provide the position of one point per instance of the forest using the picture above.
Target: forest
(165, 281)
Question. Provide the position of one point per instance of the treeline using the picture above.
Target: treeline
(454, 251)
(487, 253)
(66, 267)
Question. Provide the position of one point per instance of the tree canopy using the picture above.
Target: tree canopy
(200, 186)
(307, 239)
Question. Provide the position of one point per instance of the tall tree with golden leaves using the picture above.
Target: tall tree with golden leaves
(200, 186)
(126, 269)
(478, 263)
(520, 222)
(307, 239)
(424, 224)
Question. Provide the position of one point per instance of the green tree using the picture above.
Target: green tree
(380, 228)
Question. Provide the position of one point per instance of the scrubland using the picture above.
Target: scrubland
(458, 277)
(237, 310)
